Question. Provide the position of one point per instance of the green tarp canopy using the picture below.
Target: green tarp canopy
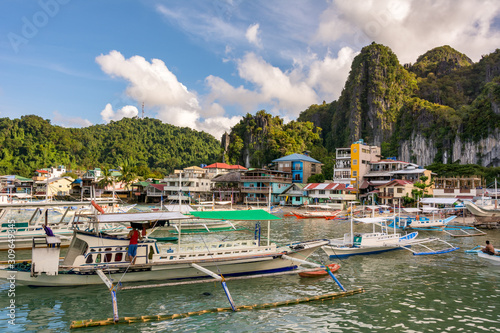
(240, 215)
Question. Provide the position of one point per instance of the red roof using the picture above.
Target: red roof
(42, 171)
(158, 186)
(329, 186)
(224, 166)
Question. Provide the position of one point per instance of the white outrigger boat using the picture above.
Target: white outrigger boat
(493, 259)
(377, 242)
(90, 252)
(26, 220)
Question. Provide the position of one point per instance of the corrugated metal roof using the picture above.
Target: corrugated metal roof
(296, 157)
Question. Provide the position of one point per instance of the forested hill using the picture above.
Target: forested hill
(147, 144)
(442, 109)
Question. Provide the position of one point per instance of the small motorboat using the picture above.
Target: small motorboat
(321, 272)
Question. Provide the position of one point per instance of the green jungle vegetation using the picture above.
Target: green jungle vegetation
(147, 146)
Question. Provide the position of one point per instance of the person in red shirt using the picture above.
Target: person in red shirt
(134, 237)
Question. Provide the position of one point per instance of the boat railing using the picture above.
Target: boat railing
(202, 250)
(109, 256)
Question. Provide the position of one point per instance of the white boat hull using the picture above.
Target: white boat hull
(230, 266)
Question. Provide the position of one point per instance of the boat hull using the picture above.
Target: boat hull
(343, 251)
(484, 218)
(493, 259)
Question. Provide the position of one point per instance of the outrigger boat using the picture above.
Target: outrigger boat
(322, 212)
(437, 223)
(26, 220)
(494, 259)
(90, 252)
(377, 242)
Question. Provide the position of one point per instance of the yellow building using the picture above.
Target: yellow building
(361, 156)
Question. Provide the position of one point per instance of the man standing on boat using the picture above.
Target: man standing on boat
(134, 237)
(488, 249)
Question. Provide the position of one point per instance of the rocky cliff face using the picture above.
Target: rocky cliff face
(421, 150)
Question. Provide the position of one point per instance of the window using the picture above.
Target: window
(354, 173)
(354, 162)
(321, 191)
(400, 190)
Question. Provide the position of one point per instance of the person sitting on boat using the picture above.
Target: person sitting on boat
(488, 249)
(134, 237)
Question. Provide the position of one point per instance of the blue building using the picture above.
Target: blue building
(300, 166)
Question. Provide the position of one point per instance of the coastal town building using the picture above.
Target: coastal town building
(337, 195)
(15, 187)
(300, 166)
(218, 168)
(384, 171)
(392, 193)
(465, 188)
(53, 187)
(294, 195)
(53, 172)
(351, 164)
(258, 186)
(226, 187)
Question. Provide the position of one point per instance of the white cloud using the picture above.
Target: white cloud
(329, 75)
(252, 35)
(65, 121)
(153, 84)
(128, 111)
(413, 27)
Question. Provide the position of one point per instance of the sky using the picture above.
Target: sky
(205, 64)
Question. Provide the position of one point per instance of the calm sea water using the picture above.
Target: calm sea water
(454, 292)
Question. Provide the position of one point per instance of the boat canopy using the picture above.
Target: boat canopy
(371, 220)
(140, 217)
(237, 215)
(411, 210)
(439, 201)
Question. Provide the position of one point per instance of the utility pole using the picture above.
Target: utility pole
(142, 110)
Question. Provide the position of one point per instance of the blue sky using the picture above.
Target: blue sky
(204, 64)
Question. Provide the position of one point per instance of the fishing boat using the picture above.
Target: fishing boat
(321, 212)
(377, 242)
(493, 259)
(23, 221)
(321, 272)
(90, 253)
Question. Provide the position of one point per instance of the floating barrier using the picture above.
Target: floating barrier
(143, 319)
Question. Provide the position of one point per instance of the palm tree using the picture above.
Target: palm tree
(107, 179)
(128, 173)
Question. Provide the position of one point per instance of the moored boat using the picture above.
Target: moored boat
(90, 252)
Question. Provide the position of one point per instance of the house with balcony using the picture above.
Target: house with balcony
(458, 187)
(384, 171)
(351, 164)
(222, 168)
(13, 186)
(336, 195)
(392, 193)
(226, 187)
(53, 172)
(193, 183)
(258, 186)
(300, 166)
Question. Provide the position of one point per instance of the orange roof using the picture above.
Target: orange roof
(224, 166)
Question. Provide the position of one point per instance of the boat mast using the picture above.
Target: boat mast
(352, 231)
(180, 211)
(496, 195)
